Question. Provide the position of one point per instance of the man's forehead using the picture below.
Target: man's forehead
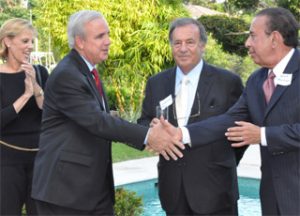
(189, 30)
(97, 24)
(259, 22)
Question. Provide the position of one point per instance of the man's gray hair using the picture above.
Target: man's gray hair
(179, 22)
(77, 22)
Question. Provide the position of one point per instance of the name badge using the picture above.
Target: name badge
(166, 102)
(284, 79)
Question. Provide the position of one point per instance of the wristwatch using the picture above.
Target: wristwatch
(41, 93)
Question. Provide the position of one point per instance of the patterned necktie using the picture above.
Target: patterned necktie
(269, 86)
(97, 81)
(182, 102)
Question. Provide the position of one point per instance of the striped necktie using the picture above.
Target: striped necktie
(269, 86)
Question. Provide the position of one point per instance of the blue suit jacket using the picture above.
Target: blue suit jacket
(281, 117)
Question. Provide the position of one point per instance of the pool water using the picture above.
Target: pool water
(248, 203)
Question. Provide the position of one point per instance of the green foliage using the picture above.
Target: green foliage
(214, 54)
(139, 35)
(13, 9)
(10, 9)
(244, 4)
(230, 32)
(292, 5)
(127, 203)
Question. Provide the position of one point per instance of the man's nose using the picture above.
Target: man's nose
(183, 47)
(108, 41)
(247, 42)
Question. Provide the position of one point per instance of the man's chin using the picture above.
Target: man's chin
(104, 57)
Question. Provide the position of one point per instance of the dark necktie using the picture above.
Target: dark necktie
(97, 81)
(269, 86)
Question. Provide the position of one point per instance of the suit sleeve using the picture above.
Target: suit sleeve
(236, 91)
(44, 75)
(74, 98)
(213, 129)
(283, 138)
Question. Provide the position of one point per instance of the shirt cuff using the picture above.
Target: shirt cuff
(263, 139)
(186, 139)
(146, 138)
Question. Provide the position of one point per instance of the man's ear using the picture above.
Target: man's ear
(277, 39)
(79, 42)
(202, 46)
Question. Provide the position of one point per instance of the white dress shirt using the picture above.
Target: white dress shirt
(193, 77)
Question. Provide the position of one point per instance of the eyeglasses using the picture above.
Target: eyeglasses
(192, 115)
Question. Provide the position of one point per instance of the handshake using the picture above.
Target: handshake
(165, 139)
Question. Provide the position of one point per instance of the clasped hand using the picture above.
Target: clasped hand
(165, 139)
(31, 86)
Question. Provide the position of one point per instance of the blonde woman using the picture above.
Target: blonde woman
(21, 100)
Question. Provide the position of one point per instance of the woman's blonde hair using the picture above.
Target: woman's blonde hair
(12, 28)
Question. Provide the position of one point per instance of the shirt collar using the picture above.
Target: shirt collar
(193, 75)
(280, 67)
(90, 66)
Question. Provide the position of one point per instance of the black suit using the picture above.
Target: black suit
(280, 182)
(73, 168)
(207, 175)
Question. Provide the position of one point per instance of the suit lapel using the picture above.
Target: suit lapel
(205, 82)
(261, 96)
(105, 98)
(83, 68)
(95, 91)
(204, 85)
(291, 68)
(169, 89)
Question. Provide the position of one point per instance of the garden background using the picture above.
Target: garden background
(140, 46)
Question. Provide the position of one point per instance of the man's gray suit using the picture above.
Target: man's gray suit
(207, 175)
(73, 167)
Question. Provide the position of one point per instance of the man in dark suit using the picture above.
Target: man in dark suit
(263, 114)
(73, 168)
(204, 181)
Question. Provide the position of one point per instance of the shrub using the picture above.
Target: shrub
(214, 54)
(292, 5)
(139, 36)
(127, 203)
(230, 32)
(244, 4)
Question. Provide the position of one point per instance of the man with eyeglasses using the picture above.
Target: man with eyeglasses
(204, 181)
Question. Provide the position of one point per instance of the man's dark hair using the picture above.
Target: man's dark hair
(186, 21)
(283, 21)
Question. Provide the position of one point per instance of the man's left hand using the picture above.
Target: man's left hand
(243, 134)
